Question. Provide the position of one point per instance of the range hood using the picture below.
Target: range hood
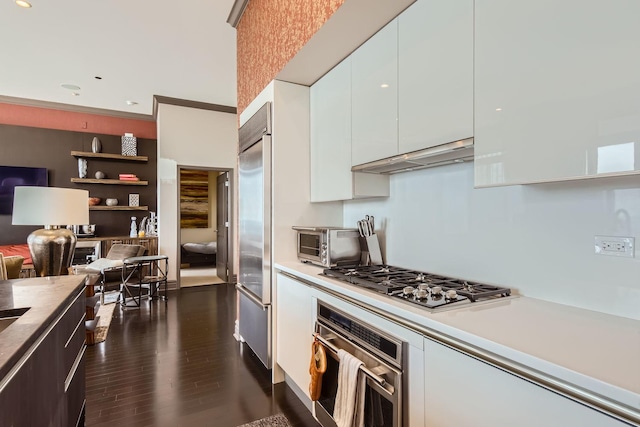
(445, 154)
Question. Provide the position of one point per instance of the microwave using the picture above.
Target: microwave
(328, 246)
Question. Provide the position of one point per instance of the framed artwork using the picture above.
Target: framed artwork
(194, 198)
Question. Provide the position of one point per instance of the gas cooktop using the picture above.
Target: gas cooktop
(423, 289)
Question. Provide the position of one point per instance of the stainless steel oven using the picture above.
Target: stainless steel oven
(328, 246)
(384, 360)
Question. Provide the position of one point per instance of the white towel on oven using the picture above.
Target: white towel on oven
(349, 407)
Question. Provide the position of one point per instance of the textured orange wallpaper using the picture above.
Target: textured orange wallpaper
(269, 34)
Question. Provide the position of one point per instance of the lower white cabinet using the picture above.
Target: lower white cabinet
(294, 323)
(463, 391)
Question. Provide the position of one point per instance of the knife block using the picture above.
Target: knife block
(370, 253)
(375, 254)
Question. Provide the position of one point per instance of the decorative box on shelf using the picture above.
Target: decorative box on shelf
(134, 199)
(129, 145)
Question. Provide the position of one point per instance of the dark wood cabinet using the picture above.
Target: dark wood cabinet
(47, 385)
(75, 396)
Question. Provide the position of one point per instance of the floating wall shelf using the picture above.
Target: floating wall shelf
(118, 208)
(107, 181)
(107, 156)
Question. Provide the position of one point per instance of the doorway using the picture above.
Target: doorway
(204, 244)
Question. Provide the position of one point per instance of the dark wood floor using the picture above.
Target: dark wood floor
(177, 364)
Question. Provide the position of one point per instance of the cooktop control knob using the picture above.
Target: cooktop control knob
(452, 294)
(423, 287)
(422, 293)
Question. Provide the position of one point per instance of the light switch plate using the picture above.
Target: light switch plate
(615, 246)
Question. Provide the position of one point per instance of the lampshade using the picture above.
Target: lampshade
(50, 206)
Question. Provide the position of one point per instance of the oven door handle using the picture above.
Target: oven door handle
(375, 377)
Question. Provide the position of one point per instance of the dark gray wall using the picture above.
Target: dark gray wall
(51, 149)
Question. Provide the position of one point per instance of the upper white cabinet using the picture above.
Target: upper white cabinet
(375, 97)
(435, 64)
(331, 176)
(557, 90)
(411, 88)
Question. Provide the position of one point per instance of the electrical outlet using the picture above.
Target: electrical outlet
(615, 246)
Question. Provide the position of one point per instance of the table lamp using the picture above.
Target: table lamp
(51, 247)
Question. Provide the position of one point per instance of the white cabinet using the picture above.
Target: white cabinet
(331, 176)
(375, 97)
(435, 65)
(294, 325)
(412, 82)
(467, 392)
(557, 93)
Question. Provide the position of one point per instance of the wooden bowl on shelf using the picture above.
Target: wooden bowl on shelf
(94, 201)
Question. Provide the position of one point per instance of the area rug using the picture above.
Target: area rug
(106, 314)
(278, 420)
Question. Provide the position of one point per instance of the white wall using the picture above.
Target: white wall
(188, 137)
(537, 239)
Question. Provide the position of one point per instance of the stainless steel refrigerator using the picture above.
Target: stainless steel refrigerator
(254, 207)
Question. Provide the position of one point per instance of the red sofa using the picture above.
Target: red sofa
(20, 249)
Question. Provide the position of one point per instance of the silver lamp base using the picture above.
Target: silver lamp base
(51, 250)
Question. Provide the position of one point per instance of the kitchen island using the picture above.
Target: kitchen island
(518, 355)
(42, 344)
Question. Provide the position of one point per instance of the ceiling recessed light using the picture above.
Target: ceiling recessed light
(23, 3)
(384, 85)
(70, 87)
(132, 103)
(498, 109)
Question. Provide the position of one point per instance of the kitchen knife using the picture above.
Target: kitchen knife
(361, 229)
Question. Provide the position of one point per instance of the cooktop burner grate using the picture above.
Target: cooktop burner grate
(424, 289)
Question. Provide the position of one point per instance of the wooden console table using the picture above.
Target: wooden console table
(150, 243)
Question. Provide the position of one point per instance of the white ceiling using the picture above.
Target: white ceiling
(140, 48)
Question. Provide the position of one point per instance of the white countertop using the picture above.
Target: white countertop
(594, 351)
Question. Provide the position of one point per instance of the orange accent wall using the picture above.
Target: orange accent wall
(21, 115)
(269, 34)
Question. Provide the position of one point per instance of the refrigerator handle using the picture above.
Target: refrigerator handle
(249, 295)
